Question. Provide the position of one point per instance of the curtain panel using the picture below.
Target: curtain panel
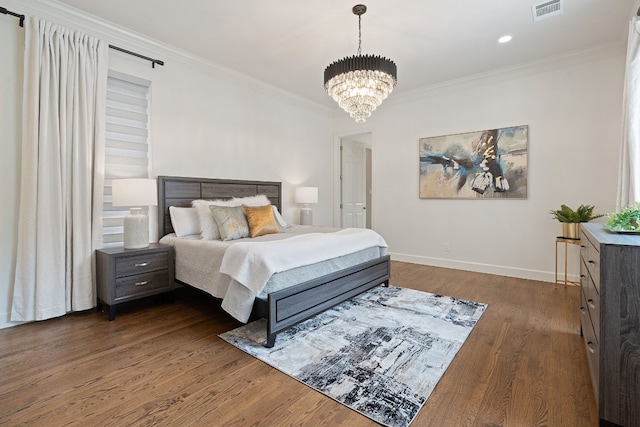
(629, 175)
(65, 74)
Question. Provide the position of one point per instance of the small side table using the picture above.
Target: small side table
(129, 274)
(567, 242)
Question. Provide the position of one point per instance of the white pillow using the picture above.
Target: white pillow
(208, 227)
(279, 218)
(185, 221)
(253, 201)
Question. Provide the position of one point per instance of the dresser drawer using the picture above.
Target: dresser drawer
(143, 263)
(592, 348)
(593, 264)
(593, 306)
(134, 286)
(584, 279)
(585, 320)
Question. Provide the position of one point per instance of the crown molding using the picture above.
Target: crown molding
(71, 17)
(128, 39)
(501, 75)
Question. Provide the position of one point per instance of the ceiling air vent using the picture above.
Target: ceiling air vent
(546, 10)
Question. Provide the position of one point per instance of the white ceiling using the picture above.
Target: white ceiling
(288, 43)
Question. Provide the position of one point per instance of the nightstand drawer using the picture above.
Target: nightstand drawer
(142, 283)
(143, 263)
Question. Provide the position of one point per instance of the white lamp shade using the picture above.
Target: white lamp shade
(134, 192)
(306, 195)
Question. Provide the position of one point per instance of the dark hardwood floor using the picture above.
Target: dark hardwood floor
(163, 364)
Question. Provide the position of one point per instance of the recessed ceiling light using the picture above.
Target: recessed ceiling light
(505, 39)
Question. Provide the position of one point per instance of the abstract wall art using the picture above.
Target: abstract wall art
(486, 164)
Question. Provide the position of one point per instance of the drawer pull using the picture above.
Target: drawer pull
(145, 282)
(591, 262)
(582, 310)
(590, 347)
(141, 264)
(591, 304)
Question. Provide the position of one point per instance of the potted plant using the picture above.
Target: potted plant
(627, 219)
(571, 219)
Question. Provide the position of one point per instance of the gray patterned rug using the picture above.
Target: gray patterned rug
(381, 353)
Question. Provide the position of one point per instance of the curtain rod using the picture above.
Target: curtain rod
(153, 61)
(4, 11)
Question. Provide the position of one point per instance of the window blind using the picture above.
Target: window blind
(126, 145)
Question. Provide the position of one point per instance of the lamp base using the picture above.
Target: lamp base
(136, 230)
(306, 216)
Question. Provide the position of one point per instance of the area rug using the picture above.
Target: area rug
(381, 353)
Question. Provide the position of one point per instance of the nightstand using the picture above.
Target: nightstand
(130, 274)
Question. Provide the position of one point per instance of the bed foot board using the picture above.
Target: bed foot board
(292, 305)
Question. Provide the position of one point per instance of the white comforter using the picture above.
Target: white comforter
(249, 264)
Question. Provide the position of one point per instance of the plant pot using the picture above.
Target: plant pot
(571, 230)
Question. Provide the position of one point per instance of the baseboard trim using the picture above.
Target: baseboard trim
(521, 273)
(5, 320)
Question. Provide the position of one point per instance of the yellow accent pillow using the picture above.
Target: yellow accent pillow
(261, 220)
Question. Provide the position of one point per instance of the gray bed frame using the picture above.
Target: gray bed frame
(292, 305)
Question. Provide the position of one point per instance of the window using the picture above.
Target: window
(126, 145)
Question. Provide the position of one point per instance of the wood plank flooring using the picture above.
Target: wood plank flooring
(163, 365)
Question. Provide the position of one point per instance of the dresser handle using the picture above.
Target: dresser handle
(590, 301)
(582, 310)
(142, 264)
(146, 282)
(590, 347)
(591, 262)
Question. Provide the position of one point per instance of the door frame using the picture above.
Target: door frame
(337, 189)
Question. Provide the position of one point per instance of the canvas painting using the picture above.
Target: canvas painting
(485, 164)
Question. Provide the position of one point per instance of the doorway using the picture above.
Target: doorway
(355, 180)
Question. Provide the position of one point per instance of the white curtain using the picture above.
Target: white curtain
(65, 74)
(629, 175)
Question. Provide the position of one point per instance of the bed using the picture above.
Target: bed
(285, 307)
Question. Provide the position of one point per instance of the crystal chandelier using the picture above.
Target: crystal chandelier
(360, 83)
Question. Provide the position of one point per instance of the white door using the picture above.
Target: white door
(353, 175)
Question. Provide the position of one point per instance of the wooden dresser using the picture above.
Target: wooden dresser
(610, 321)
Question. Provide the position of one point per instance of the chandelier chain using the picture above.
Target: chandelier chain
(359, 34)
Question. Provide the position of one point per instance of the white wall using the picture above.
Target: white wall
(573, 108)
(211, 127)
(205, 121)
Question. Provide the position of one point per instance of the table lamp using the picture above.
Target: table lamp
(135, 192)
(306, 196)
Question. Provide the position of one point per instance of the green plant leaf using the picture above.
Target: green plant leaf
(584, 213)
(626, 219)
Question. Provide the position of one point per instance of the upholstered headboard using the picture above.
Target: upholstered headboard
(180, 191)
